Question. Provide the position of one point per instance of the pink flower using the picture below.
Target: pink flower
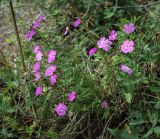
(37, 76)
(37, 48)
(50, 70)
(104, 105)
(51, 56)
(127, 46)
(92, 51)
(72, 96)
(39, 56)
(30, 34)
(40, 18)
(104, 43)
(77, 22)
(60, 109)
(126, 69)
(38, 91)
(36, 67)
(37, 22)
(107, 48)
(53, 79)
(128, 28)
(113, 35)
(35, 25)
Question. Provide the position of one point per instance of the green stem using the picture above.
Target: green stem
(17, 34)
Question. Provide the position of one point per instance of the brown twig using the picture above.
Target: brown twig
(17, 34)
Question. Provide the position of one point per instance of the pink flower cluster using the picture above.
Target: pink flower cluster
(127, 46)
(51, 56)
(61, 108)
(32, 32)
(104, 43)
(36, 66)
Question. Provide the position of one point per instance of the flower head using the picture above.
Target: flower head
(29, 35)
(35, 25)
(126, 69)
(92, 51)
(51, 56)
(38, 91)
(37, 76)
(40, 18)
(37, 48)
(53, 79)
(127, 46)
(77, 22)
(60, 109)
(50, 70)
(39, 55)
(37, 22)
(128, 28)
(104, 105)
(113, 35)
(72, 96)
(36, 67)
(104, 43)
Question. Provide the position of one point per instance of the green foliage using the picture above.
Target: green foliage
(134, 101)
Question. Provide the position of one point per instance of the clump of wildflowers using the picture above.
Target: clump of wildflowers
(128, 28)
(38, 91)
(60, 109)
(72, 96)
(77, 23)
(126, 69)
(127, 46)
(92, 51)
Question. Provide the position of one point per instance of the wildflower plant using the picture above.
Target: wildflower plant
(85, 69)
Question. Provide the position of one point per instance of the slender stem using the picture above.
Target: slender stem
(17, 34)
